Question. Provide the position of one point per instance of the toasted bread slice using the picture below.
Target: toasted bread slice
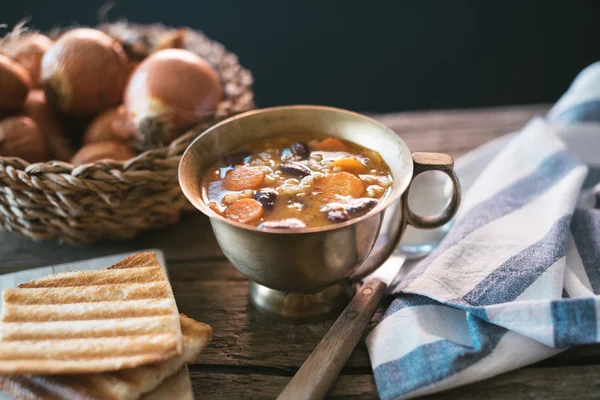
(91, 321)
(175, 387)
(122, 385)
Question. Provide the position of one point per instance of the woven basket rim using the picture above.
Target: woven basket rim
(174, 149)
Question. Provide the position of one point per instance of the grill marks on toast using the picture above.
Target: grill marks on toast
(97, 277)
(87, 311)
(126, 384)
(88, 328)
(90, 321)
(86, 294)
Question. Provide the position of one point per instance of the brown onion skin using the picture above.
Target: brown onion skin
(171, 40)
(101, 151)
(14, 85)
(21, 137)
(169, 92)
(29, 53)
(50, 123)
(110, 126)
(84, 72)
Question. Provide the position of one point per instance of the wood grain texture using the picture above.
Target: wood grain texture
(566, 383)
(254, 357)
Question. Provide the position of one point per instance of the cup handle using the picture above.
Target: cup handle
(388, 241)
(433, 162)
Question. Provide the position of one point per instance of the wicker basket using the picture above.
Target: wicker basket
(114, 200)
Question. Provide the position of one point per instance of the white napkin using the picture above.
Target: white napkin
(516, 280)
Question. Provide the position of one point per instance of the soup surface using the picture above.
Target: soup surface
(296, 182)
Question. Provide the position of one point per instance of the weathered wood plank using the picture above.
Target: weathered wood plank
(211, 385)
(565, 383)
(458, 131)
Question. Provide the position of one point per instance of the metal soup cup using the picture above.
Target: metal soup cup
(304, 274)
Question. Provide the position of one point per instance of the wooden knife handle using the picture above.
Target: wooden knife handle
(320, 370)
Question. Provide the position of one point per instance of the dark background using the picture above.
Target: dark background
(376, 56)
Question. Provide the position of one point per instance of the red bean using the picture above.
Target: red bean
(301, 149)
(360, 206)
(266, 197)
(294, 169)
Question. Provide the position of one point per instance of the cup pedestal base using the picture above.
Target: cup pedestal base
(301, 307)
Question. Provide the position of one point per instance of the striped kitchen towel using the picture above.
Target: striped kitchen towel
(517, 278)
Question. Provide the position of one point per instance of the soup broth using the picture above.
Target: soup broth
(296, 181)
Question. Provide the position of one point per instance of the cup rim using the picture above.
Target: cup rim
(381, 206)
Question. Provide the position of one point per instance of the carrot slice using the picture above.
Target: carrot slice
(243, 178)
(215, 207)
(340, 184)
(330, 144)
(349, 164)
(244, 211)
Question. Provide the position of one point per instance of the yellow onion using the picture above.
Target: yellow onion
(21, 137)
(109, 126)
(101, 151)
(84, 72)
(169, 92)
(29, 52)
(50, 123)
(14, 84)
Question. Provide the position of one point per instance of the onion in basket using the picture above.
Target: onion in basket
(51, 125)
(169, 92)
(111, 125)
(94, 152)
(14, 84)
(21, 137)
(84, 72)
(29, 51)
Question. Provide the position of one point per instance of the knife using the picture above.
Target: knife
(320, 370)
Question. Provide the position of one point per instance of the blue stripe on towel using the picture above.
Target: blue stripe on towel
(585, 228)
(593, 177)
(520, 193)
(509, 280)
(574, 322)
(588, 111)
(435, 361)
(407, 300)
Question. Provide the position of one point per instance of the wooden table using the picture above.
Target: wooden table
(252, 356)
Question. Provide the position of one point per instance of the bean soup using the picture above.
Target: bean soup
(296, 182)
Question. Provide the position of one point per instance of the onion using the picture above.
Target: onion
(171, 91)
(84, 72)
(21, 137)
(100, 151)
(29, 52)
(111, 125)
(14, 84)
(51, 125)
